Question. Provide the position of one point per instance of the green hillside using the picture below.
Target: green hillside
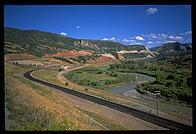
(38, 43)
(173, 49)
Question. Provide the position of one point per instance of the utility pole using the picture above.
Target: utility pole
(156, 94)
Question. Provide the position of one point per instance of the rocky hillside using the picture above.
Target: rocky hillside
(44, 44)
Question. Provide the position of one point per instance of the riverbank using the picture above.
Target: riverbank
(173, 109)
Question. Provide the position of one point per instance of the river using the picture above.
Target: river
(130, 91)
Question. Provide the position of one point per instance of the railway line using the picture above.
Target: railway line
(172, 125)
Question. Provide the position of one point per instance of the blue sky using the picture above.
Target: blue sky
(150, 25)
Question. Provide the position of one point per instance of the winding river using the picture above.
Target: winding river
(130, 91)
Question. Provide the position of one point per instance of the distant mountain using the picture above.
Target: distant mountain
(173, 49)
(40, 43)
(154, 48)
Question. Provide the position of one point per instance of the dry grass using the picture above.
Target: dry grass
(37, 107)
(50, 76)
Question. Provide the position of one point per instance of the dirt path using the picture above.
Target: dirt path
(60, 74)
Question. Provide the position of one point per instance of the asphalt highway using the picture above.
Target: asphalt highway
(172, 125)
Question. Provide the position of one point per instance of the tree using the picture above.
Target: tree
(189, 81)
(170, 77)
(66, 84)
(86, 89)
(168, 84)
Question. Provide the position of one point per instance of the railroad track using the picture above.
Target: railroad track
(172, 125)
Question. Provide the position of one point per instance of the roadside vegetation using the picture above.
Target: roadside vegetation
(36, 107)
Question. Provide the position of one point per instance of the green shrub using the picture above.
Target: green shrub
(86, 89)
(66, 84)
(60, 69)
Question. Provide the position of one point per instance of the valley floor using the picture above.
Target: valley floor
(37, 107)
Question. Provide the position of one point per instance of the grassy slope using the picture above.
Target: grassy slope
(43, 74)
(36, 107)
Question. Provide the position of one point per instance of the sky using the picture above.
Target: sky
(150, 25)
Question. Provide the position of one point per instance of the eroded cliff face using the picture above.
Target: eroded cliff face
(147, 51)
(120, 57)
(104, 59)
(68, 53)
(85, 44)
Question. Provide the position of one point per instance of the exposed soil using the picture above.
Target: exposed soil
(20, 57)
(67, 53)
(120, 56)
(104, 59)
(47, 56)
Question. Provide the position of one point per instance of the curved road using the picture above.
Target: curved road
(139, 114)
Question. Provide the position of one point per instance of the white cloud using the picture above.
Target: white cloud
(151, 11)
(133, 42)
(150, 43)
(126, 40)
(105, 39)
(164, 35)
(175, 37)
(139, 38)
(178, 38)
(151, 35)
(188, 32)
(112, 38)
(171, 41)
(138, 43)
(77, 27)
(63, 33)
(171, 37)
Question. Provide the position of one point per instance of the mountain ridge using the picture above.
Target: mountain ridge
(41, 43)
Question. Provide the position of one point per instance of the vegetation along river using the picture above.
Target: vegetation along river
(130, 91)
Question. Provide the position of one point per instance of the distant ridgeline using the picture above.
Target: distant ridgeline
(41, 44)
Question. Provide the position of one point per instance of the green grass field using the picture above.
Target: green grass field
(48, 75)
(94, 77)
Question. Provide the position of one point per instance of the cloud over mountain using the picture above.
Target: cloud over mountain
(63, 34)
(139, 38)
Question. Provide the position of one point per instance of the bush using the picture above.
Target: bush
(66, 84)
(86, 89)
(60, 69)
(99, 72)
(113, 74)
(168, 84)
